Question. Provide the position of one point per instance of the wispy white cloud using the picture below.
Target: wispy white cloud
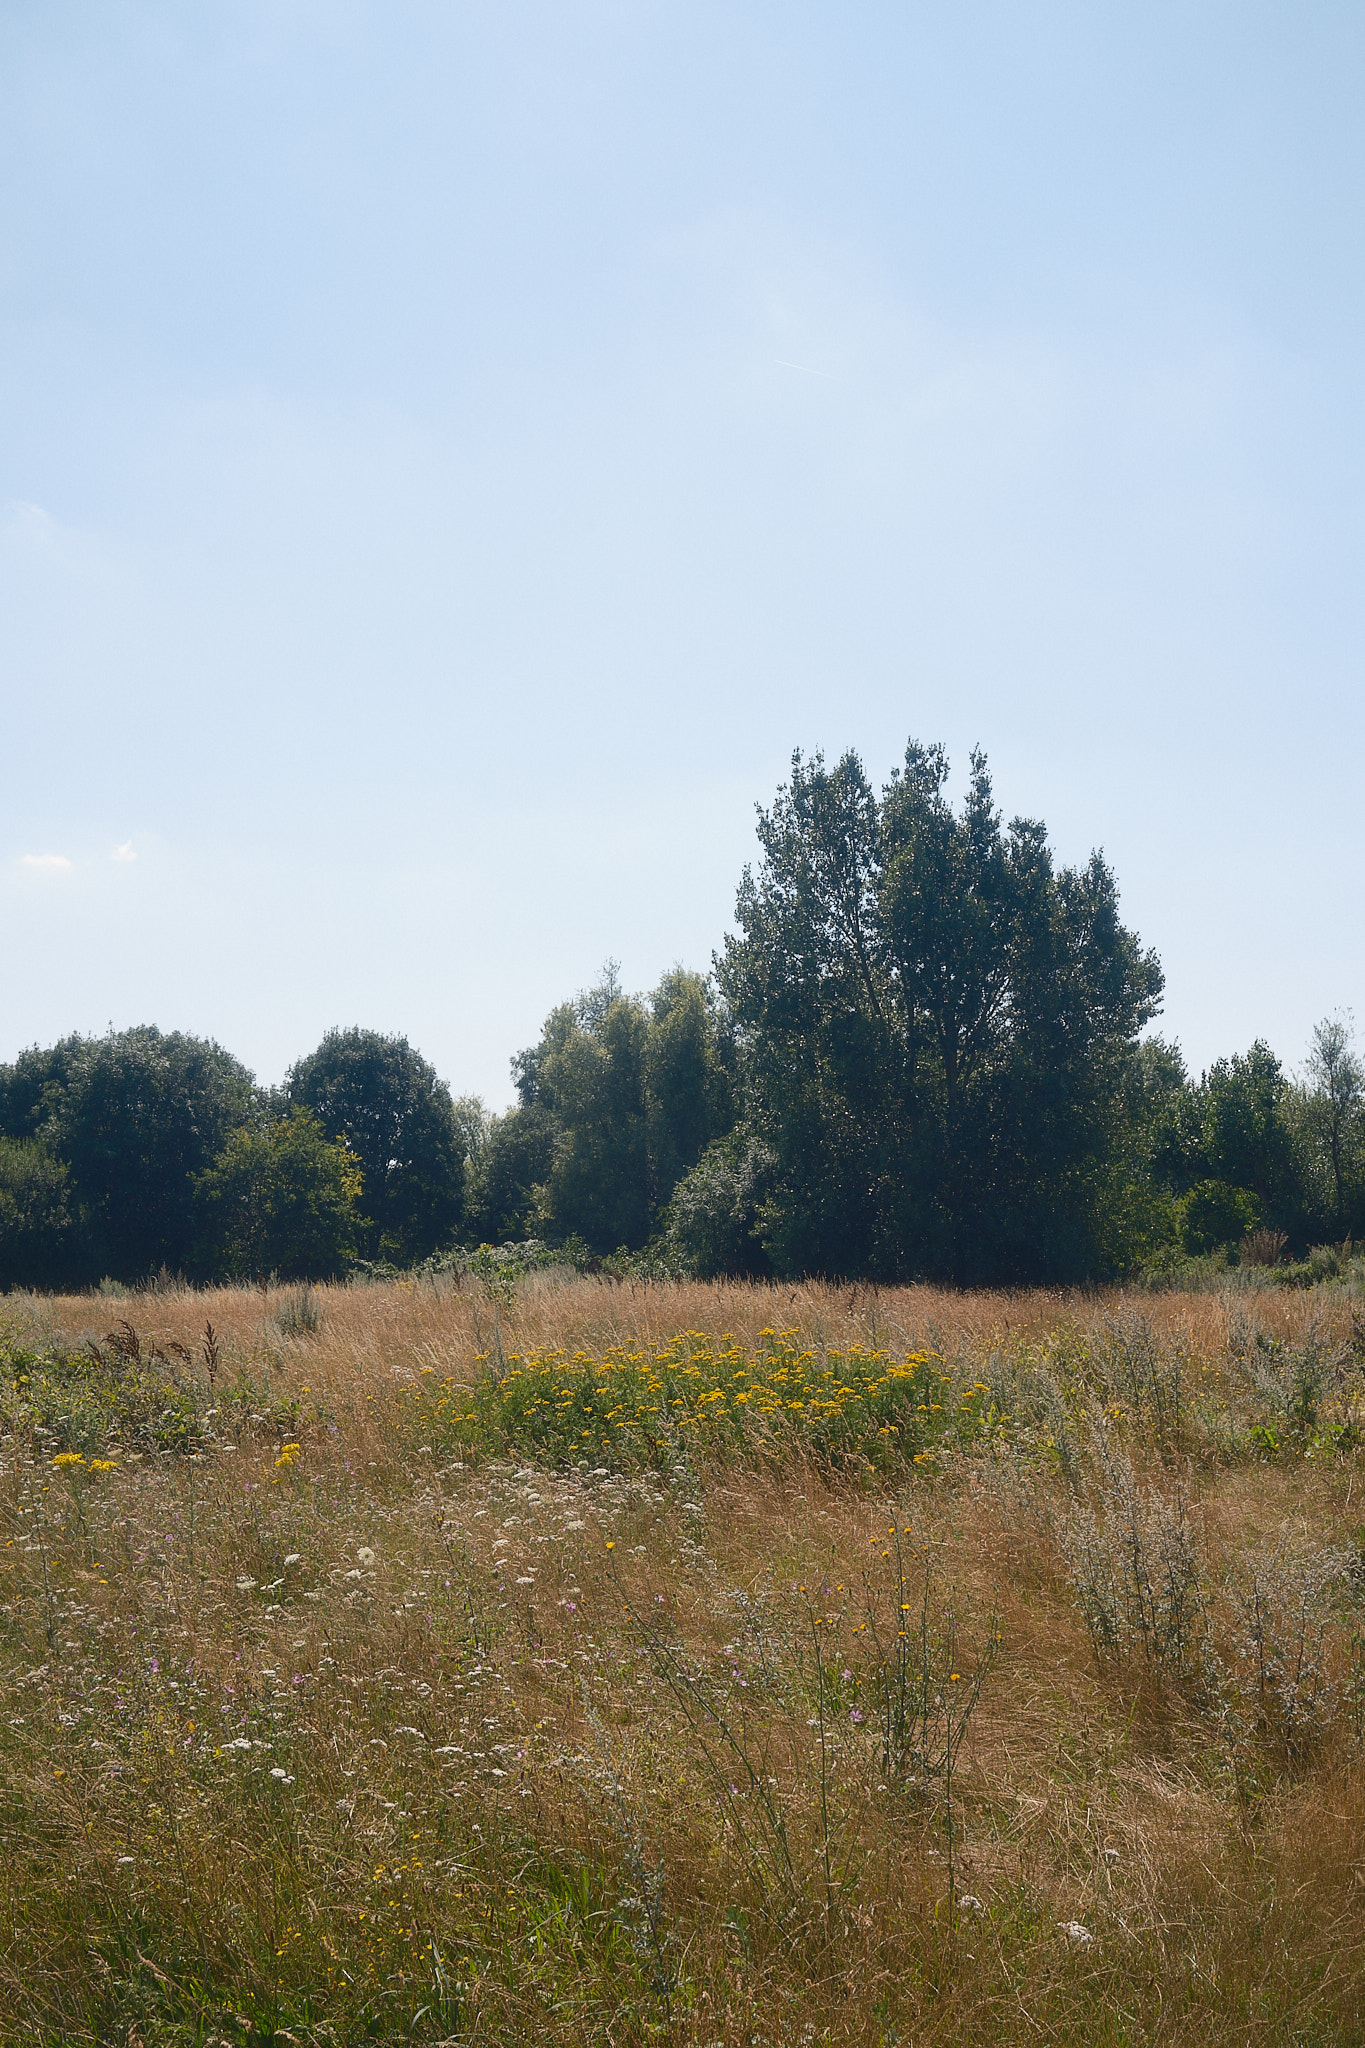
(124, 852)
(46, 863)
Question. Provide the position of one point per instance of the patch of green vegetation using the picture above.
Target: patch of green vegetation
(645, 1406)
(105, 1394)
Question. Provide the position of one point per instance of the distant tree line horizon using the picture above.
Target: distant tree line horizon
(920, 1055)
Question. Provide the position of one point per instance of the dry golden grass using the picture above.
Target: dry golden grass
(369, 1741)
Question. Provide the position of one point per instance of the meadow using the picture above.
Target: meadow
(557, 1659)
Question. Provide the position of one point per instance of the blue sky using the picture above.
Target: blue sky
(452, 454)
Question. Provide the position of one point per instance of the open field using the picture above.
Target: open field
(569, 1661)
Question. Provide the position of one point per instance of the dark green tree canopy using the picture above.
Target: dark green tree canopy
(1244, 1135)
(627, 1092)
(281, 1200)
(922, 1052)
(934, 1024)
(37, 1242)
(1331, 1114)
(134, 1116)
(508, 1174)
(688, 1079)
(1232, 1130)
(589, 1073)
(397, 1116)
(31, 1090)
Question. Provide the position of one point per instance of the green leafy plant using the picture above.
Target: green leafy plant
(114, 1394)
(281, 1201)
(638, 1406)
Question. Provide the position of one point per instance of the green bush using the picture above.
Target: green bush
(117, 1394)
(379, 1096)
(636, 1406)
(283, 1200)
(714, 1217)
(1216, 1213)
(134, 1117)
(36, 1238)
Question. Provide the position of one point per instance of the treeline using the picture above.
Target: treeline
(920, 1054)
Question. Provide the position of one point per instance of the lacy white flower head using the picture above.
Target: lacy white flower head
(970, 1903)
(364, 1555)
(1074, 1931)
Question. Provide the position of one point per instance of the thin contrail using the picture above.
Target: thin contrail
(807, 368)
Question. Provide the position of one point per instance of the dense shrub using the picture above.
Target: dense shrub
(37, 1246)
(134, 1117)
(1217, 1214)
(283, 1200)
(396, 1115)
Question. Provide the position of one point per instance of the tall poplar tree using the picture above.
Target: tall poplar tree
(934, 1022)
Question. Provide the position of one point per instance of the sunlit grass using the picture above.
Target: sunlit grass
(679, 1664)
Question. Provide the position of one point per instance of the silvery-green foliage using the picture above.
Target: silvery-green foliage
(1027, 1390)
(1145, 1374)
(1134, 1564)
(1290, 1378)
(1278, 1680)
(299, 1313)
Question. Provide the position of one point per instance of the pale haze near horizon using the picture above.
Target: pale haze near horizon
(453, 454)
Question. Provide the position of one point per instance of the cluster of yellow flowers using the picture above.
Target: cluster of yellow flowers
(716, 1390)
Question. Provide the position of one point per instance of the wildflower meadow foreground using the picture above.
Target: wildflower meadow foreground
(568, 1661)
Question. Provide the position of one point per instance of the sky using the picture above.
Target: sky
(452, 454)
